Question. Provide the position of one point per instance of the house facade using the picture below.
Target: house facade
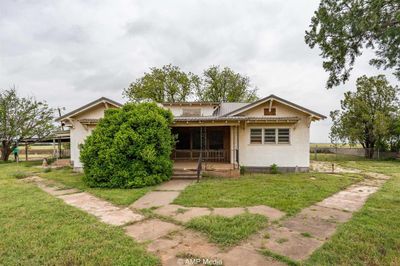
(254, 135)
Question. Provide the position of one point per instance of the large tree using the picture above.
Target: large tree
(166, 84)
(344, 28)
(22, 118)
(367, 115)
(224, 85)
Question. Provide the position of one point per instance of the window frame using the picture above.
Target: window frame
(263, 132)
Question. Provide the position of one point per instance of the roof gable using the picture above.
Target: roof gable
(88, 106)
(278, 99)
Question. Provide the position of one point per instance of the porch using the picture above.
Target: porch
(215, 144)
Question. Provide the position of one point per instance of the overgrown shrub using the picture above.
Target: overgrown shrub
(274, 169)
(130, 147)
(242, 170)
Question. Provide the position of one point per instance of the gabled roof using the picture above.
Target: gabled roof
(278, 99)
(225, 108)
(88, 106)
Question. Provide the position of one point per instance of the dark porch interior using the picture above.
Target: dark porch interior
(214, 142)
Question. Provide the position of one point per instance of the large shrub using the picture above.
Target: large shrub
(130, 147)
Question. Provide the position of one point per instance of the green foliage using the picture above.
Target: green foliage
(242, 170)
(130, 147)
(227, 231)
(170, 84)
(343, 28)
(166, 84)
(274, 169)
(224, 85)
(22, 118)
(367, 114)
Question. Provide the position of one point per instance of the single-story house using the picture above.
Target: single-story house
(254, 135)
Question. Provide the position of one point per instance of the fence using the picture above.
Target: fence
(355, 152)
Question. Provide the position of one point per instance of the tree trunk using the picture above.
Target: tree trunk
(5, 150)
(369, 152)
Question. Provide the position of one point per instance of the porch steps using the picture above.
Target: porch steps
(184, 174)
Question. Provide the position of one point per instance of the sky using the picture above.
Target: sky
(71, 52)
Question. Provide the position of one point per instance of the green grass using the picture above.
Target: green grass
(71, 179)
(330, 157)
(372, 236)
(287, 192)
(226, 231)
(38, 229)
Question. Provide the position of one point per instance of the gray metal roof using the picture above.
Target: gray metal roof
(225, 108)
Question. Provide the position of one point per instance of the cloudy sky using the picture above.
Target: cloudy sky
(70, 52)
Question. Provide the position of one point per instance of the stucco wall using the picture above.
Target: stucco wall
(79, 132)
(206, 110)
(284, 155)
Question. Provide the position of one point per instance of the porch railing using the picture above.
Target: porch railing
(210, 155)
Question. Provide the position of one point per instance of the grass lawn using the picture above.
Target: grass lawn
(68, 178)
(372, 236)
(287, 192)
(226, 231)
(38, 229)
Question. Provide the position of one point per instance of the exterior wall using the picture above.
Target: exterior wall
(79, 132)
(206, 110)
(286, 156)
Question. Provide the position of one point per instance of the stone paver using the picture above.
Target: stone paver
(242, 256)
(176, 185)
(192, 213)
(155, 199)
(228, 212)
(291, 243)
(150, 229)
(105, 211)
(272, 213)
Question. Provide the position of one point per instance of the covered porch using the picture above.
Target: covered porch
(215, 143)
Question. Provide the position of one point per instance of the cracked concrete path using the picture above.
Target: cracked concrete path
(163, 195)
(104, 210)
(299, 236)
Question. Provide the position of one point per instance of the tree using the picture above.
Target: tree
(22, 118)
(166, 84)
(224, 85)
(367, 114)
(343, 28)
(130, 147)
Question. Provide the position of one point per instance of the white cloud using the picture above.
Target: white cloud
(71, 52)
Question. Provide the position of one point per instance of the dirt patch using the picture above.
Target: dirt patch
(150, 229)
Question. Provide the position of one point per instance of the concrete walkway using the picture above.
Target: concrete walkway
(105, 211)
(296, 237)
(299, 236)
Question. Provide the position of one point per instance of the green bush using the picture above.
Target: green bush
(130, 147)
(274, 169)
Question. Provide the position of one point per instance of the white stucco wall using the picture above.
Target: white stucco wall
(284, 155)
(206, 110)
(79, 132)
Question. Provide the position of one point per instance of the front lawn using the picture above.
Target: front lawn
(38, 229)
(71, 179)
(372, 236)
(228, 231)
(286, 192)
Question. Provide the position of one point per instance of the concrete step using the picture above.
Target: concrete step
(184, 174)
(184, 177)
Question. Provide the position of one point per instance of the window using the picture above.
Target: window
(270, 135)
(267, 111)
(255, 136)
(283, 135)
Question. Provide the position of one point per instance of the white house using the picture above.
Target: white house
(255, 135)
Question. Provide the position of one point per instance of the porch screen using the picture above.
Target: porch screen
(255, 135)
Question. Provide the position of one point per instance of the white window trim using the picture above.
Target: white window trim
(276, 136)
